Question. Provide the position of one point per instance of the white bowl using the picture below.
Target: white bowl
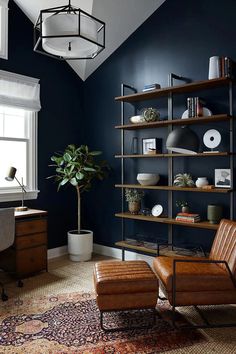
(136, 119)
(148, 179)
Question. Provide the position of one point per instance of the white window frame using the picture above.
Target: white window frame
(4, 29)
(15, 193)
(23, 94)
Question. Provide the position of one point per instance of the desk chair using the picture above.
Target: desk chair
(7, 236)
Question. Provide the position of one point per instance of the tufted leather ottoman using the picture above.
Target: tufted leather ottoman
(124, 285)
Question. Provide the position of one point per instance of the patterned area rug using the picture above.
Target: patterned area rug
(70, 323)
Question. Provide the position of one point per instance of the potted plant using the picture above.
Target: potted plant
(77, 166)
(133, 197)
(183, 205)
(183, 180)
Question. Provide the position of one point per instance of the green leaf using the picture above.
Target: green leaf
(89, 169)
(79, 175)
(95, 153)
(64, 181)
(74, 182)
(67, 157)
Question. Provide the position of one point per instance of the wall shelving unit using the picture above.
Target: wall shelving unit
(170, 123)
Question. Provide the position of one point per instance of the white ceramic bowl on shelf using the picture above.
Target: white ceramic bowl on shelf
(148, 179)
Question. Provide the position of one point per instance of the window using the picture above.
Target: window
(19, 103)
(3, 29)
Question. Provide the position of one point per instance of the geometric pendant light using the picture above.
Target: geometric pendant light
(68, 33)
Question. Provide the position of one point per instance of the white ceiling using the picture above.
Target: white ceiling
(122, 18)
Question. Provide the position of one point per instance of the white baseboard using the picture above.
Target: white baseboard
(57, 252)
(103, 250)
(117, 253)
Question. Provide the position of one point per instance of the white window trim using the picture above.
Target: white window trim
(4, 29)
(15, 194)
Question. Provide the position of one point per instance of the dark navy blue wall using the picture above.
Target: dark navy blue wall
(179, 37)
(60, 122)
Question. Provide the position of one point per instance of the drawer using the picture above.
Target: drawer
(31, 240)
(31, 260)
(31, 227)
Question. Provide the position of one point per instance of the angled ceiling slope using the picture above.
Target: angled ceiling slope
(122, 18)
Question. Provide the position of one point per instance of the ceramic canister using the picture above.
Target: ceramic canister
(214, 67)
(201, 181)
(214, 213)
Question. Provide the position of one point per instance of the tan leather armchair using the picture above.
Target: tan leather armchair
(202, 281)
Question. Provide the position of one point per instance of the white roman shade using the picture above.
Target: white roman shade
(19, 91)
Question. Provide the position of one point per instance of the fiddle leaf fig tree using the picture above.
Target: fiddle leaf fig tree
(77, 166)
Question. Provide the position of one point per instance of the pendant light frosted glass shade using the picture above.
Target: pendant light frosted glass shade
(183, 140)
(68, 33)
(68, 25)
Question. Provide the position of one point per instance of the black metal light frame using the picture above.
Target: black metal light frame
(38, 36)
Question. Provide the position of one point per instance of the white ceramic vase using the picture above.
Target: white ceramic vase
(214, 67)
(201, 182)
(80, 246)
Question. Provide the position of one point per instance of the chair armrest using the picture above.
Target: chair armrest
(175, 261)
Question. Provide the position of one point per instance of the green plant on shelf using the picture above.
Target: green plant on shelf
(183, 180)
(133, 195)
(181, 203)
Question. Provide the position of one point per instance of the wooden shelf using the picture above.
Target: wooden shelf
(173, 188)
(164, 251)
(193, 86)
(200, 154)
(187, 121)
(136, 248)
(165, 220)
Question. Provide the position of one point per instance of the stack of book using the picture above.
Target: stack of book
(151, 87)
(195, 106)
(225, 67)
(188, 217)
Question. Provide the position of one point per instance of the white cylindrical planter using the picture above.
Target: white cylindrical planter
(80, 246)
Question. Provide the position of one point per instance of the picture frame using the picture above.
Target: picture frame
(223, 178)
(151, 146)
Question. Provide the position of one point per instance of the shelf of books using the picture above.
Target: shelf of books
(193, 86)
(166, 220)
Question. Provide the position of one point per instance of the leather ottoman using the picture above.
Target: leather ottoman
(124, 285)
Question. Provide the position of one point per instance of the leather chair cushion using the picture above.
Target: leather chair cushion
(192, 276)
(124, 277)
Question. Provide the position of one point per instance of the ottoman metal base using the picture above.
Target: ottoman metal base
(125, 286)
(154, 313)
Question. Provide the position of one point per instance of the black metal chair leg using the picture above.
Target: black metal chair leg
(20, 283)
(154, 312)
(4, 295)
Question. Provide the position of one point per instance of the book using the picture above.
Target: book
(151, 87)
(195, 106)
(188, 214)
(190, 220)
(188, 217)
(190, 107)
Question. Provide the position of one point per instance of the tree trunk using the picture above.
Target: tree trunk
(79, 216)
